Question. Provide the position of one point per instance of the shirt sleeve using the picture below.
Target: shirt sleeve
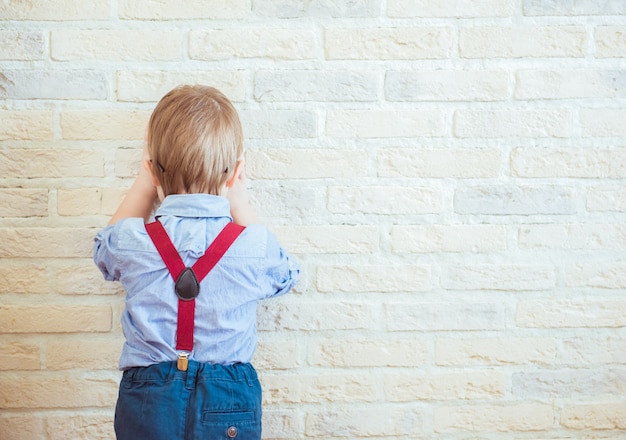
(282, 269)
(103, 255)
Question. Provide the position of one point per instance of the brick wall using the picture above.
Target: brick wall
(451, 174)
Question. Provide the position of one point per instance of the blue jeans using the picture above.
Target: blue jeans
(207, 402)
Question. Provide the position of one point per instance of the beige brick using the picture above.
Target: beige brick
(23, 202)
(597, 416)
(401, 43)
(32, 125)
(569, 162)
(79, 201)
(374, 278)
(18, 277)
(522, 42)
(602, 275)
(506, 277)
(59, 10)
(470, 385)
(80, 427)
(592, 350)
(19, 355)
(46, 391)
(567, 383)
(88, 353)
(279, 124)
(27, 163)
(55, 319)
(571, 314)
(55, 84)
(315, 316)
(440, 162)
(610, 41)
(332, 239)
(24, 45)
(520, 417)
(384, 200)
(276, 354)
(573, 236)
(115, 45)
(317, 9)
(111, 199)
(46, 242)
(182, 9)
(606, 198)
(85, 280)
(448, 238)
(495, 351)
(272, 43)
(26, 426)
(385, 123)
(104, 124)
(127, 163)
(451, 8)
(513, 123)
(569, 84)
(287, 201)
(151, 86)
(281, 424)
(443, 316)
(578, 7)
(346, 353)
(306, 163)
(322, 388)
(599, 122)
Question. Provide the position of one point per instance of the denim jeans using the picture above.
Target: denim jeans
(207, 402)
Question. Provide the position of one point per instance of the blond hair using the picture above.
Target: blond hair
(194, 140)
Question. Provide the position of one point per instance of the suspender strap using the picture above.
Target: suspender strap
(200, 269)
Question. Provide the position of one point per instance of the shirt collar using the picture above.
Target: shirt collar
(194, 205)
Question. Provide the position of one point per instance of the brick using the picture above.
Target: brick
(576, 7)
(602, 275)
(59, 10)
(495, 351)
(346, 353)
(444, 316)
(448, 238)
(606, 198)
(79, 201)
(385, 123)
(245, 43)
(440, 162)
(592, 350)
(26, 426)
(316, 9)
(315, 316)
(571, 314)
(279, 124)
(507, 417)
(570, 384)
(512, 123)
(55, 84)
(447, 85)
(504, 277)
(569, 162)
(444, 386)
(610, 41)
(515, 200)
(151, 86)
(596, 416)
(80, 427)
(88, 353)
(85, 280)
(332, 239)
(286, 201)
(104, 124)
(46, 242)
(280, 424)
(23, 202)
(20, 356)
(366, 421)
(522, 42)
(181, 9)
(451, 8)
(384, 200)
(311, 85)
(569, 84)
(45, 391)
(276, 354)
(127, 163)
(115, 45)
(401, 43)
(55, 319)
(374, 278)
(27, 163)
(18, 277)
(25, 45)
(573, 236)
(598, 122)
(323, 388)
(306, 163)
(31, 125)
(111, 199)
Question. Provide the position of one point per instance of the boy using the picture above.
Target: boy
(192, 277)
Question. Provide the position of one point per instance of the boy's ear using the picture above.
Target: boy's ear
(148, 165)
(233, 178)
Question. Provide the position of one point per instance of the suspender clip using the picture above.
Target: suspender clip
(183, 361)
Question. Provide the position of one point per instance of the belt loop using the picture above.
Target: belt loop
(192, 372)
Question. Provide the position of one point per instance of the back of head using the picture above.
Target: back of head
(194, 140)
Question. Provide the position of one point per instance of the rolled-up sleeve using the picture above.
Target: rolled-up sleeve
(102, 255)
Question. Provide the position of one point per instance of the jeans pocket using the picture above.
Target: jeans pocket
(244, 425)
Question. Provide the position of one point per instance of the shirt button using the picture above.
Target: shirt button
(232, 432)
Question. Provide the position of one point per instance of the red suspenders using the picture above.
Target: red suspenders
(188, 279)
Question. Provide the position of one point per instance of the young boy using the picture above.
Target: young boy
(192, 277)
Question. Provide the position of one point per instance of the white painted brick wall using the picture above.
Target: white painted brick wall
(451, 175)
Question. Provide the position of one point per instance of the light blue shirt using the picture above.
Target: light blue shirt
(255, 267)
